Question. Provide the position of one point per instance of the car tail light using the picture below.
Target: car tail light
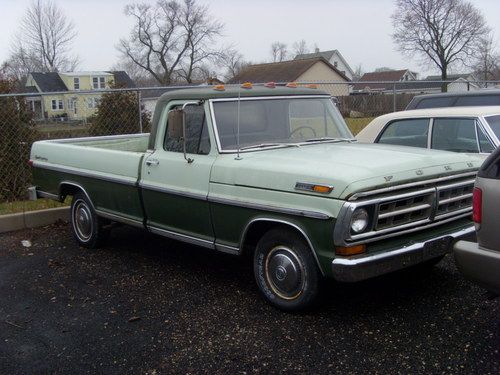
(477, 205)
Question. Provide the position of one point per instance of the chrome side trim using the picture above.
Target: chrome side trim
(363, 267)
(410, 185)
(120, 219)
(227, 249)
(165, 190)
(264, 207)
(249, 224)
(44, 194)
(182, 237)
(85, 173)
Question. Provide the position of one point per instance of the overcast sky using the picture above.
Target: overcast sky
(359, 29)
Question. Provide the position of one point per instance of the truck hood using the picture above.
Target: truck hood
(348, 167)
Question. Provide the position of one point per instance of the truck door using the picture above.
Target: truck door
(175, 190)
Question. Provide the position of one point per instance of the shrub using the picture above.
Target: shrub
(17, 135)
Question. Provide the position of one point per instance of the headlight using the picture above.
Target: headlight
(359, 220)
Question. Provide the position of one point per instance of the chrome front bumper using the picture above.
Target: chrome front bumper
(371, 265)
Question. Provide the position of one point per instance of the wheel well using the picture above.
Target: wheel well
(68, 189)
(257, 229)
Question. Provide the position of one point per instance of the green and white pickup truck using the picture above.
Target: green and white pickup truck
(268, 171)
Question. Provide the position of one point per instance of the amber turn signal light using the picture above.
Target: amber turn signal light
(352, 250)
(322, 189)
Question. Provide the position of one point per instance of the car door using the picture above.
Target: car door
(175, 188)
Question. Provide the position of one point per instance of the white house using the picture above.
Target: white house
(334, 57)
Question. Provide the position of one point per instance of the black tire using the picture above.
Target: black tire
(87, 227)
(286, 271)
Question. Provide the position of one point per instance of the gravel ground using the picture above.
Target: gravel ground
(149, 305)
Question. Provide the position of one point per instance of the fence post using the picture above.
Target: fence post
(139, 109)
(394, 97)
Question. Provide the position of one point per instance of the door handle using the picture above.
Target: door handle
(151, 162)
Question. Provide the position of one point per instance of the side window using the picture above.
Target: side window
(435, 102)
(484, 143)
(478, 100)
(454, 134)
(197, 138)
(408, 132)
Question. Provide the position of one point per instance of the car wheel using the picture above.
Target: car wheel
(86, 225)
(286, 271)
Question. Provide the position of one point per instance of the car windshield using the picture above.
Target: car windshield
(494, 123)
(277, 122)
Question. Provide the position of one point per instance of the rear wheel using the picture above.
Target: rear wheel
(86, 225)
(285, 270)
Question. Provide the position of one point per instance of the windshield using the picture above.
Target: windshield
(277, 122)
(494, 123)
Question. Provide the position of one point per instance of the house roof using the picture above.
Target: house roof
(326, 55)
(122, 79)
(450, 77)
(285, 71)
(389, 75)
(49, 82)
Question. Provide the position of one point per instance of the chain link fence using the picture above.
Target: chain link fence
(26, 118)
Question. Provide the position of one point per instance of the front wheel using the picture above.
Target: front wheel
(86, 225)
(285, 270)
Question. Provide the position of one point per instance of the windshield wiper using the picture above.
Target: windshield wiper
(328, 139)
(262, 145)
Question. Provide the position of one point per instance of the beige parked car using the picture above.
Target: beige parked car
(461, 129)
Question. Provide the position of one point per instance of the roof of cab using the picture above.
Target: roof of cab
(204, 93)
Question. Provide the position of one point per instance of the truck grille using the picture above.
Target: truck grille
(412, 207)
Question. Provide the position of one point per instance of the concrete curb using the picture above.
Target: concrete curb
(33, 219)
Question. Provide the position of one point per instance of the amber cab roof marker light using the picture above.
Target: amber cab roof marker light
(312, 86)
(246, 85)
(270, 85)
(292, 85)
(219, 88)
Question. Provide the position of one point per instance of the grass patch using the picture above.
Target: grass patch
(21, 206)
(357, 124)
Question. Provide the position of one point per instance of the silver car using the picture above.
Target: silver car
(481, 261)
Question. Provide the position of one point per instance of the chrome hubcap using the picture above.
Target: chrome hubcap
(82, 220)
(284, 272)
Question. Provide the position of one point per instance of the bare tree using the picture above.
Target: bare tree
(279, 51)
(45, 39)
(20, 63)
(446, 32)
(170, 39)
(300, 47)
(358, 72)
(232, 62)
(487, 62)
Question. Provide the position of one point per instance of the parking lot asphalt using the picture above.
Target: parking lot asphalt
(148, 305)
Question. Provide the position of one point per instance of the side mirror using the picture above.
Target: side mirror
(175, 123)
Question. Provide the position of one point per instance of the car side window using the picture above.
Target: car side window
(435, 102)
(197, 138)
(407, 132)
(484, 142)
(454, 134)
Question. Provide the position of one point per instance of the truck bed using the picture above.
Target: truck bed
(107, 166)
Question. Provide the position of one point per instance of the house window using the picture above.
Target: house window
(76, 83)
(98, 82)
(57, 105)
(335, 64)
(93, 102)
(71, 104)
